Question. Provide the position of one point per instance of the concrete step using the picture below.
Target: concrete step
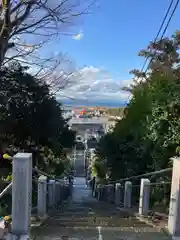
(92, 214)
(106, 234)
(92, 220)
(82, 221)
(85, 218)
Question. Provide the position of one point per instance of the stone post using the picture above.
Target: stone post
(65, 191)
(42, 196)
(117, 199)
(51, 193)
(62, 192)
(106, 193)
(144, 197)
(21, 195)
(110, 189)
(94, 187)
(57, 192)
(174, 209)
(70, 186)
(99, 192)
(103, 193)
(127, 194)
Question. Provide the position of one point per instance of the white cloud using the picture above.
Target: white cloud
(94, 84)
(78, 36)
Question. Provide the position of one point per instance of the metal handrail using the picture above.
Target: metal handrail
(142, 175)
(5, 189)
(35, 169)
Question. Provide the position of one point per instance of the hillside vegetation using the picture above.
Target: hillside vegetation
(149, 133)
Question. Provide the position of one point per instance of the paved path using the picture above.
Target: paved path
(84, 218)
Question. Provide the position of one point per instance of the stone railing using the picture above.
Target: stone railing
(120, 193)
(49, 193)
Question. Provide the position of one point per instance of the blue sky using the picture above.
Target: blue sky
(112, 36)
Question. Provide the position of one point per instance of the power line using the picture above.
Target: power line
(164, 31)
(166, 27)
(161, 26)
(173, 12)
(159, 31)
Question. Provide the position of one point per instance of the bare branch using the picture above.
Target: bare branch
(39, 18)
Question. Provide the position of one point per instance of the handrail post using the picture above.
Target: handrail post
(110, 189)
(51, 193)
(174, 208)
(21, 195)
(94, 185)
(42, 196)
(117, 199)
(144, 197)
(127, 194)
(57, 192)
(99, 192)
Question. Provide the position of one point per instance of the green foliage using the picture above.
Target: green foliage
(3, 209)
(31, 120)
(149, 133)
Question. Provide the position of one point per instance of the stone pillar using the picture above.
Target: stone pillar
(110, 193)
(51, 193)
(117, 199)
(57, 192)
(174, 209)
(70, 187)
(127, 194)
(94, 188)
(21, 194)
(144, 196)
(42, 196)
(102, 192)
(66, 191)
(62, 192)
(106, 193)
(99, 192)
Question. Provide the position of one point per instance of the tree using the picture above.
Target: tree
(39, 20)
(30, 117)
(27, 28)
(163, 55)
(148, 135)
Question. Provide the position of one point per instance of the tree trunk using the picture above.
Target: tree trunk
(5, 29)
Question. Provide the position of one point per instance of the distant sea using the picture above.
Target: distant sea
(79, 103)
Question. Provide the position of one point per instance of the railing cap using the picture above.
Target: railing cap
(52, 181)
(22, 156)
(118, 184)
(42, 178)
(128, 183)
(174, 158)
(145, 180)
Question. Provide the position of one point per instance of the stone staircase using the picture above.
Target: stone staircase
(79, 172)
(83, 217)
(79, 165)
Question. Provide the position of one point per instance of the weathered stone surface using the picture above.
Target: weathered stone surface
(127, 194)
(144, 197)
(117, 197)
(42, 196)
(21, 193)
